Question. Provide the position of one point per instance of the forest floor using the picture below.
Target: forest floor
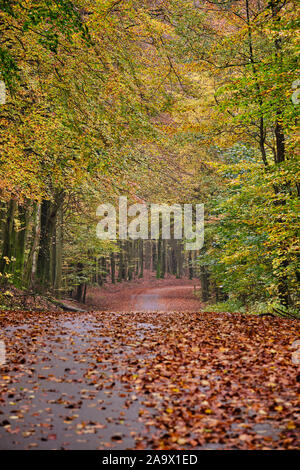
(144, 378)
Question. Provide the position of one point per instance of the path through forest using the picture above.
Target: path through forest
(146, 295)
(154, 380)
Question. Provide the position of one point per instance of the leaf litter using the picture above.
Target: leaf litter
(148, 381)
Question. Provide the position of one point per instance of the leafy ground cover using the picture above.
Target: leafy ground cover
(148, 380)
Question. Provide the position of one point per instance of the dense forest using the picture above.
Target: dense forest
(164, 101)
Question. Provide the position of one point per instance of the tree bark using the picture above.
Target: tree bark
(59, 253)
(112, 268)
(9, 238)
(24, 218)
(204, 277)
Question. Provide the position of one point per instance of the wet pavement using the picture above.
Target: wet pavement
(68, 396)
(109, 380)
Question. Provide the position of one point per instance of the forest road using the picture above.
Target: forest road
(148, 380)
(165, 299)
(167, 295)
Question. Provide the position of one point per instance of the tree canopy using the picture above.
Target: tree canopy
(163, 101)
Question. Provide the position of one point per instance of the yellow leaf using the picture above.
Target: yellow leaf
(181, 441)
(291, 425)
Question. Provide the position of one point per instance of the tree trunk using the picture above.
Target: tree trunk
(154, 255)
(59, 253)
(158, 261)
(47, 248)
(9, 238)
(178, 261)
(30, 267)
(141, 258)
(190, 267)
(80, 286)
(112, 268)
(24, 218)
(204, 277)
